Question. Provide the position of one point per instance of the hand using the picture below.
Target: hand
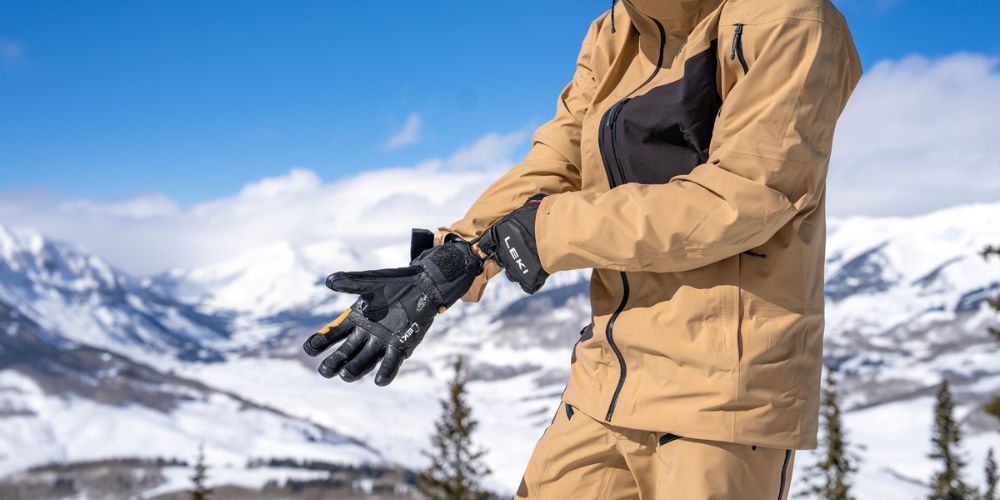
(511, 243)
(395, 310)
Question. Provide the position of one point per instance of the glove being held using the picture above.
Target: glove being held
(395, 309)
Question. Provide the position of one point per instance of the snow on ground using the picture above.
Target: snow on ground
(397, 419)
(54, 429)
(513, 414)
(893, 442)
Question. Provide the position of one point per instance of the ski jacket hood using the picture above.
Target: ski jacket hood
(686, 166)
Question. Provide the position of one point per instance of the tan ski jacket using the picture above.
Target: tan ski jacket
(686, 166)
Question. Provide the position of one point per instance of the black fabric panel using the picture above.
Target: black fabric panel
(666, 438)
(667, 131)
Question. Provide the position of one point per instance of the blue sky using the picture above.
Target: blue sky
(195, 99)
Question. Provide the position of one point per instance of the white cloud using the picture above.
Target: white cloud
(918, 135)
(137, 207)
(409, 134)
(150, 233)
(486, 148)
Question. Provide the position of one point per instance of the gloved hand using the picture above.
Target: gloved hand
(511, 243)
(395, 309)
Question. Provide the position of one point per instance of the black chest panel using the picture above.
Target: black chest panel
(665, 132)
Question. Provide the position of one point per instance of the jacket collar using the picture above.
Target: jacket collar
(678, 17)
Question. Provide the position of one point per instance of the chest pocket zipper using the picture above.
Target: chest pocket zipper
(737, 50)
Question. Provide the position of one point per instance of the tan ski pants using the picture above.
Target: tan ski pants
(579, 458)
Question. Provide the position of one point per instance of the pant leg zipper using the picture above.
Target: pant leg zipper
(784, 474)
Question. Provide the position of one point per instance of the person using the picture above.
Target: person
(685, 166)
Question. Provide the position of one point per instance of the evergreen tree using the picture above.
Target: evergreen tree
(947, 483)
(993, 407)
(990, 493)
(199, 490)
(456, 464)
(831, 476)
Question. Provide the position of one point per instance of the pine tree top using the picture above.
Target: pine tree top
(947, 483)
(991, 478)
(456, 467)
(830, 477)
(199, 489)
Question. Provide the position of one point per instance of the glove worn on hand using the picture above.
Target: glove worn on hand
(511, 242)
(395, 309)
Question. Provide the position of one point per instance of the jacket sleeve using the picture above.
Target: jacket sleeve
(768, 160)
(551, 166)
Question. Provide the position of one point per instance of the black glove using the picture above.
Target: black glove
(511, 242)
(395, 309)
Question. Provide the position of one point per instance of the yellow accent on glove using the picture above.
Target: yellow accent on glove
(335, 323)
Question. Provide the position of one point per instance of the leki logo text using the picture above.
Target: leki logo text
(517, 258)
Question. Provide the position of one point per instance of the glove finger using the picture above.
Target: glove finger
(363, 362)
(391, 362)
(356, 282)
(367, 282)
(334, 362)
(333, 332)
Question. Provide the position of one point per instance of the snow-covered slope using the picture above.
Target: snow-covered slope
(906, 303)
(62, 402)
(906, 308)
(83, 300)
(911, 265)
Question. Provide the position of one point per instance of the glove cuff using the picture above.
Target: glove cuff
(452, 267)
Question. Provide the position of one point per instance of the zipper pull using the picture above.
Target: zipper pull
(737, 40)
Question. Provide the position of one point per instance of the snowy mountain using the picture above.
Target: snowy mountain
(82, 299)
(261, 282)
(97, 364)
(905, 301)
(93, 366)
(66, 401)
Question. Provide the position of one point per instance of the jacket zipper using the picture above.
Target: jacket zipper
(614, 140)
(609, 333)
(610, 118)
(610, 121)
(737, 50)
